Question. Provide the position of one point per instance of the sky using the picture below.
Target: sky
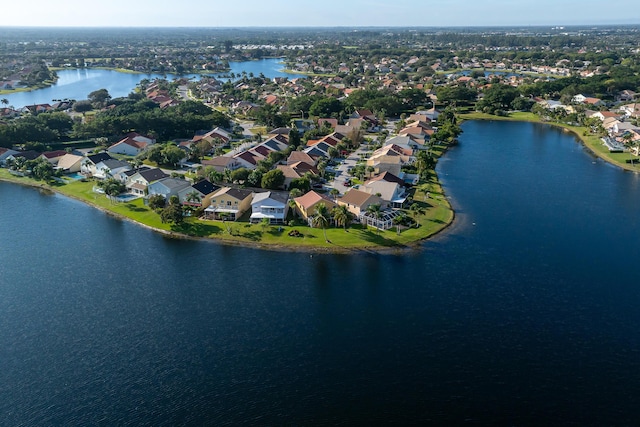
(327, 13)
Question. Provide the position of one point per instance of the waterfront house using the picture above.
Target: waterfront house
(109, 168)
(90, 162)
(307, 203)
(228, 203)
(5, 153)
(271, 205)
(139, 181)
(202, 189)
(70, 163)
(358, 201)
(53, 156)
(167, 187)
(391, 192)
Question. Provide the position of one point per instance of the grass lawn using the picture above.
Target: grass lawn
(262, 130)
(438, 215)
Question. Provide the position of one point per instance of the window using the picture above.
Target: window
(228, 203)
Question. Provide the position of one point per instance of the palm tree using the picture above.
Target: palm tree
(264, 223)
(398, 221)
(371, 170)
(321, 218)
(334, 192)
(375, 211)
(416, 211)
(215, 176)
(342, 216)
(193, 197)
(4, 101)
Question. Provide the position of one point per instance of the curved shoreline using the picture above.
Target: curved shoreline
(279, 247)
(573, 129)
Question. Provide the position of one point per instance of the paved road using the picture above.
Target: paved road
(342, 170)
(183, 92)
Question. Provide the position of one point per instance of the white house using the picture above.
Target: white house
(139, 181)
(110, 167)
(128, 146)
(89, 164)
(270, 205)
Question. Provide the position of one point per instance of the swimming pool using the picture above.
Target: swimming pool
(75, 176)
(126, 197)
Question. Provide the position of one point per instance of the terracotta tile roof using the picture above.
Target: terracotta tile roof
(311, 198)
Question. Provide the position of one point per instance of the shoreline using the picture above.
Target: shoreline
(592, 146)
(277, 247)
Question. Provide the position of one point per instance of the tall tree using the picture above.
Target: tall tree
(342, 215)
(321, 218)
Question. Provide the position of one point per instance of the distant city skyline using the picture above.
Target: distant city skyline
(330, 13)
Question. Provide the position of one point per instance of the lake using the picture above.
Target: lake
(524, 312)
(79, 83)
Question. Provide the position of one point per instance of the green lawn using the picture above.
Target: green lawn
(438, 215)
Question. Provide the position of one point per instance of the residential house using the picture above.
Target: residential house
(5, 153)
(222, 163)
(386, 159)
(53, 156)
(203, 189)
(247, 159)
(90, 162)
(420, 135)
(128, 146)
(228, 203)
(307, 203)
(631, 110)
(602, 115)
(138, 182)
(36, 108)
(168, 187)
(405, 142)
(110, 167)
(279, 131)
(301, 156)
(70, 163)
(391, 192)
(296, 171)
(582, 99)
(626, 95)
(358, 201)
(388, 177)
(213, 135)
(271, 205)
(27, 155)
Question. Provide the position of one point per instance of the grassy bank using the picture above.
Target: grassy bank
(437, 217)
(42, 85)
(592, 142)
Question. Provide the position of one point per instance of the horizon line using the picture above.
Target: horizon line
(555, 25)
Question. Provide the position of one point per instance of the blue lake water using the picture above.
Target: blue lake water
(525, 312)
(78, 83)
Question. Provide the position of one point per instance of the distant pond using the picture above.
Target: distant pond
(78, 83)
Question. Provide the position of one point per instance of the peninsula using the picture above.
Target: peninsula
(341, 159)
